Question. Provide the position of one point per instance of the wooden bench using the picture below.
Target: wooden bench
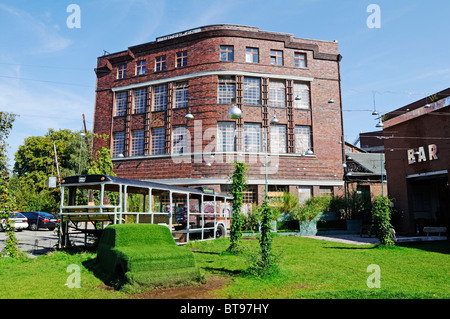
(438, 230)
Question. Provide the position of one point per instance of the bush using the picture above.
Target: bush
(311, 208)
(381, 220)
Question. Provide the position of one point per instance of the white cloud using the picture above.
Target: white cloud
(43, 37)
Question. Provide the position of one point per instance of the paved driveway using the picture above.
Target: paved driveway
(38, 242)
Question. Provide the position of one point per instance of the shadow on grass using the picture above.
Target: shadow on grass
(352, 248)
(223, 270)
(442, 247)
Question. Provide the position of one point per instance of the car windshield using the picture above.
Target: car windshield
(46, 215)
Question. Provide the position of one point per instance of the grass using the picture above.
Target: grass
(308, 268)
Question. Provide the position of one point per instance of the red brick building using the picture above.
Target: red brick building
(417, 144)
(144, 93)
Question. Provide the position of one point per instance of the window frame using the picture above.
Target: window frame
(298, 60)
(181, 95)
(120, 110)
(252, 137)
(141, 67)
(160, 63)
(303, 138)
(118, 144)
(121, 71)
(252, 96)
(226, 51)
(276, 57)
(142, 100)
(302, 90)
(180, 131)
(277, 93)
(278, 140)
(158, 140)
(226, 139)
(137, 142)
(226, 90)
(159, 98)
(181, 59)
(250, 54)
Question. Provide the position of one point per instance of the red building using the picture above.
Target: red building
(417, 143)
(144, 93)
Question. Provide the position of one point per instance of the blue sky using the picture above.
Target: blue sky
(47, 69)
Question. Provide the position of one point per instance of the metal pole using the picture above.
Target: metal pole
(266, 155)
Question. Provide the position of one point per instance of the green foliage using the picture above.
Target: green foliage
(252, 220)
(238, 186)
(286, 204)
(311, 208)
(7, 204)
(381, 220)
(354, 206)
(266, 263)
(103, 164)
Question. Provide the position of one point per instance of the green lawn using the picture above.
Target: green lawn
(308, 268)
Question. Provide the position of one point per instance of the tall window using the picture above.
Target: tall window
(252, 91)
(252, 55)
(300, 60)
(227, 90)
(158, 140)
(302, 139)
(140, 98)
(179, 139)
(276, 57)
(252, 136)
(122, 71)
(278, 143)
(226, 137)
(301, 96)
(160, 97)
(118, 144)
(226, 53)
(120, 107)
(140, 67)
(250, 194)
(181, 59)
(160, 64)
(181, 95)
(137, 143)
(277, 93)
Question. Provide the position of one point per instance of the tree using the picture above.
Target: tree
(6, 201)
(35, 162)
(238, 186)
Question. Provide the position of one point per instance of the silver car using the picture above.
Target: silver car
(19, 221)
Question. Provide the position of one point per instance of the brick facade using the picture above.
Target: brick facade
(202, 72)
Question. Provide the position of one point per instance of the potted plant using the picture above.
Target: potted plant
(309, 213)
(358, 207)
(284, 206)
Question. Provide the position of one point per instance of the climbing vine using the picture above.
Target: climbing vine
(238, 186)
(6, 201)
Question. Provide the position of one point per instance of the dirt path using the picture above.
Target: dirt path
(205, 291)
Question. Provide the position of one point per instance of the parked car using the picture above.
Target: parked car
(20, 221)
(38, 220)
